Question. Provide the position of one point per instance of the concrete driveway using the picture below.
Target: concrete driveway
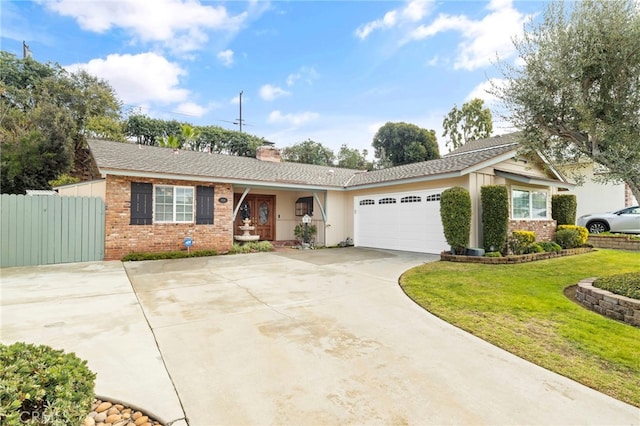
(297, 337)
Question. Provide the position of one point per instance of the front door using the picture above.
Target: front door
(260, 209)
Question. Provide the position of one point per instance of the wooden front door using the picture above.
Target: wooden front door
(261, 210)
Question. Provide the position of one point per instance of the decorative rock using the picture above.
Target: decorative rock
(113, 418)
(119, 407)
(103, 407)
(136, 415)
(100, 417)
(89, 421)
(141, 420)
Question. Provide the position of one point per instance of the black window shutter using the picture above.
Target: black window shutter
(204, 205)
(141, 203)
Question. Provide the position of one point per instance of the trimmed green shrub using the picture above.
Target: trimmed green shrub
(535, 248)
(493, 254)
(568, 238)
(519, 241)
(455, 212)
(136, 256)
(582, 232)
(563, 208)
(40, 385)
(495, 217)
(623, 284)
(550, 246)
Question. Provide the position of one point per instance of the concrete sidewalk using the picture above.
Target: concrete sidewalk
(91, 309)
(295, 337)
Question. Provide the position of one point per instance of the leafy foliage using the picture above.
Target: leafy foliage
(568, 238)
(152, 131)
(563, 208)
(298, 231)
(471, 122)
(46, 113)
(455, 212)
(63, 179)
(623, 284)
(309, 152)
(495, 216)
(41, 385)
(521, 241)
(177, 254)
(251, 247)
(550, 246)
(402, 143)
(583, 233)
(578, 93)
(352, 159)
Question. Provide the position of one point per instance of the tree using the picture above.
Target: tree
(349, 158)
(309, 152)
(471, 122)
(577, 93)
(45, 113)
(403, 143)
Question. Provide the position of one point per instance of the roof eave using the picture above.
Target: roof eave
(238, 182)
(532, 180)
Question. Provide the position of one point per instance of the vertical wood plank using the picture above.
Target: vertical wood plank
(85, 229)
(67, 206)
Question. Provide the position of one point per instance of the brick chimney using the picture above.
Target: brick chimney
(268, 153)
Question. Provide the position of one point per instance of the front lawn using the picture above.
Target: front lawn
(522, 309)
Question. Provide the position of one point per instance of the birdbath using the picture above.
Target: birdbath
(246, 229)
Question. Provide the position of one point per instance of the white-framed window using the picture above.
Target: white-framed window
(529, 203)
(173, 203)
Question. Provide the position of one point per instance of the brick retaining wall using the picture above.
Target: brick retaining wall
(604, 302)
(619, 243)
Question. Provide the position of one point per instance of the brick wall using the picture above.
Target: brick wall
(545, 229)
(609, 304)
(618, 242)
(122, 238)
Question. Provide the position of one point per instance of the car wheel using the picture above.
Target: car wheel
(597, 227)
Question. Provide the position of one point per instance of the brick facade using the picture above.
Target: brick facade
(121, 238)
(545, 229)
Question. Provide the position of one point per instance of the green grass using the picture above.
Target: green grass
(522, 309)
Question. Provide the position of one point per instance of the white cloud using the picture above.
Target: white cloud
(482, 40)
(306, 74)
(413, 11)
(226, 57)
(191, 109)
(179, 24)
(481, 91)
(292, 119)
(269, 92)
(139, 79)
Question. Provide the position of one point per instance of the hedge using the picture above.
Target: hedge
(495, 217)
(455, 212)
(563, 208)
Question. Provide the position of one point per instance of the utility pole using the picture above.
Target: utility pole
(26, 52)
(240, 119)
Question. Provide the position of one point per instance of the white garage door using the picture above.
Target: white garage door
(407, 221)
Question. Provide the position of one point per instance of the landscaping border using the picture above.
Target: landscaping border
(512, 259)
(621, 242)
(609, 304)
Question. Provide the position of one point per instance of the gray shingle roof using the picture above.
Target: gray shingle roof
(492, 142)
(126, 157)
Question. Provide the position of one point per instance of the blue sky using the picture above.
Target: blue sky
(330, 71)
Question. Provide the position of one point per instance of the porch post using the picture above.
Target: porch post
(236, 208)
(324, 214)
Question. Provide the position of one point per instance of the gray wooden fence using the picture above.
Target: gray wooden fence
(44, 229)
